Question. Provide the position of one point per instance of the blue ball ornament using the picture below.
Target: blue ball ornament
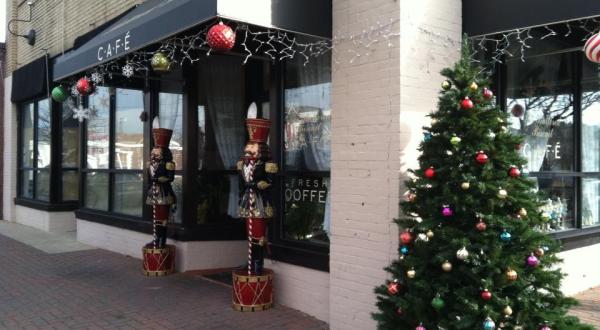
(427, 136)
(505, 236)
(404, 250)
(489, 324)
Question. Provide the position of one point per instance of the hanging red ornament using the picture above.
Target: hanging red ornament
(84, 86)
(466, 103)
(486, 295)
(406, 237)
(481, 226)
(429, 173)
(393, 287)
(517, 110)
(220, 37)
(518, 146)
(399, 311)
(514, 172)
(592, 48)
(487, 93)
(481, 157)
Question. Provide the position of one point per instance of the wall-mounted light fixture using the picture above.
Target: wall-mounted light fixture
(30, 36)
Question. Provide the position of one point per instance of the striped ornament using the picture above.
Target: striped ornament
(592, 48)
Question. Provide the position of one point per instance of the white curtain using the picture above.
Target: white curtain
(222, 80)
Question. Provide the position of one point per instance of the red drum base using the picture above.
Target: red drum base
(159, 262)
(252, 293)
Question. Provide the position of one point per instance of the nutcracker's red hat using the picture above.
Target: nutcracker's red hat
(162, 137)
(258, 129)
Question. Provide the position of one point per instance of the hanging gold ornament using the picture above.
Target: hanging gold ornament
(511, 274)
(447, 266)
(473, 86)
(429, 234)
(160, 62)
(411, 273)
(507, 311)
(539, 252)
(523, 212)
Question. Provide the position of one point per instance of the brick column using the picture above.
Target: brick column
(379, 104)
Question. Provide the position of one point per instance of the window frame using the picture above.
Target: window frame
(578, 236)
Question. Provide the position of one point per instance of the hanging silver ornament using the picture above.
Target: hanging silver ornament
(74, 91)
(462, 254)
(127, 70)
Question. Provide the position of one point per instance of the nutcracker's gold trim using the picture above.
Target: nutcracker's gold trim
(157, 273)
(239, 165)
(168, 249)
(252, 278)
(269, 211)
(170, 166)
(252, 308)
(271, 167)
(262, 185)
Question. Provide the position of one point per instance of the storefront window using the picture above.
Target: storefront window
(98, 129)
(307, 150)
(96, 191)
(35, 150)
(129, 135)
(70, 156)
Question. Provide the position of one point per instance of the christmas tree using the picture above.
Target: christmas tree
(472, 255)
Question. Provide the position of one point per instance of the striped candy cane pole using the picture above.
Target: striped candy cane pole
(251, 208)
(154, 225)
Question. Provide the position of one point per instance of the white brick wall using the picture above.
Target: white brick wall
(9, 190)
(44, 220)
(379, 105)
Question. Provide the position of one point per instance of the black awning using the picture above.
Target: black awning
(150, 22)
(30, 81)
(492, 16)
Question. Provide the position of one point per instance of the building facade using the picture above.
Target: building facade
(346, 129)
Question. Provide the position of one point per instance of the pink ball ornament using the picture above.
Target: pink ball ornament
(487, 93)
(592, 48)
(420, 327)
(545, 327)
(532, 261)
(447, 211)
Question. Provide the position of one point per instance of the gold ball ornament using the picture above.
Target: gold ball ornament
(465, 185)
(507, 311)
(511, 274)
(539, 252)
(411, 273)
(473, 87)
(446, 85)
(523, 212)
(429, 234)
(160, 62)
(447, 266)
(502, 194)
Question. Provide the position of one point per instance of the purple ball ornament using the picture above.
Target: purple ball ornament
(532, 261)
(447, 211)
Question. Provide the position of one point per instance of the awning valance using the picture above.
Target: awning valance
(493, 16)
(30, 81)
(155, 20)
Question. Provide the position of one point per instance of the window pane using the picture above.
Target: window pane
(97, 129)
(540, 100)
(308, 114)
(27, 184)
(171, 116)
(70, 186)
(306, 214)
(590, 117)
(129, 137)
(590, 202)
(42, 185)
(70, 139)
(560, 199)
(201, 136)
(43, 135)
(96, 191)
(128, 194)
(27, 136)
(218, 197)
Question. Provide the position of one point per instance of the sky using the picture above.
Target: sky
(2, 20)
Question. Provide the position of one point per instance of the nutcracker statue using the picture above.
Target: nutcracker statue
(158, 256)
(252, 287)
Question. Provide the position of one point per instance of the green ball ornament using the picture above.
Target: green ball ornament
(59, 94)
(437, 303)
(446, 85)
(455, 140)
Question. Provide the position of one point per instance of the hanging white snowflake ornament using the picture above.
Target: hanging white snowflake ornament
(79, 112)
(127, 70)
(97, 78)
(74, 91)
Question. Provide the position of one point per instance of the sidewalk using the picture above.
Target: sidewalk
(589, 307)
(75, 287)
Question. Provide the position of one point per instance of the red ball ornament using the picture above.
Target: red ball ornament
(466, 103)
(514, 172)
(592, 48)
(481, 226)
(393, 287)
(517, 110)
(518, 146)
(429, 173)
(486, 295)
(481, 157)
(487, 93)
(84, 86)
(220, 37)
(406, 237)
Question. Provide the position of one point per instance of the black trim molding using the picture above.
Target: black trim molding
(577, 238)
(300, 257)
(46, 206)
